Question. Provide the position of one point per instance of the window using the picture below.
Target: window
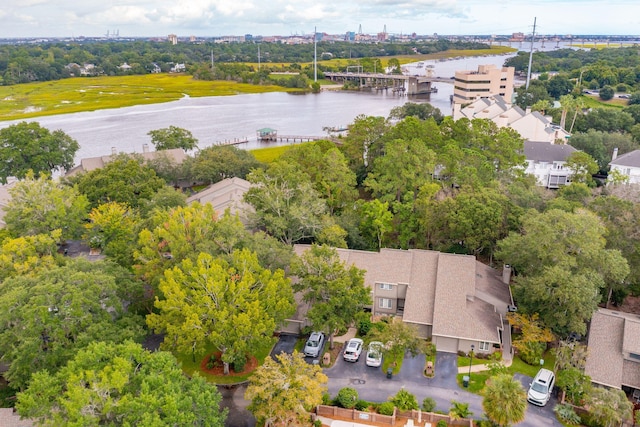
(386, 286)
(385, 303)
(484, 346)
(634, 356)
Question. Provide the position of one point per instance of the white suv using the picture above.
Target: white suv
(314, 344)
(541, 387)
(352, 350)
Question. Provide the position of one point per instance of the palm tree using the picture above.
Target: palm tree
(505, 401)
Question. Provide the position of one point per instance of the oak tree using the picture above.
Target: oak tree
(172, 137)
(108, 384)
(234, 306)
(28, 146)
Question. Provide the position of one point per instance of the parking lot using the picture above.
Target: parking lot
(373, 385)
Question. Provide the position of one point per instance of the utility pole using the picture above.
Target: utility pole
(533, 35)
(315, 54)
(258, 57)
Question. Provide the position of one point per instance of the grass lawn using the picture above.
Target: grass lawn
(478, 379)
(93, 93)
(270, 154)
(190, 367)
(464, 361)
(394, 361)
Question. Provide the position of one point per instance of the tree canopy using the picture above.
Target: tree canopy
(27, 146)
(232, 305)
(108, 384)
(172, 137)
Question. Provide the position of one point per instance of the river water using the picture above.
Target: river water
(220, 118)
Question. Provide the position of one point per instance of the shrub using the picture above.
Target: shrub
(404, 400)
(429, 350)
(441, 423)
(326, 399)
(428, 404)
(211, 362)
(364, 326)
(606, 93)
(317, 423)
(386, 408)
(566, 414)
(362, 405)
(238, 364)
(347, 397)
(532, 352)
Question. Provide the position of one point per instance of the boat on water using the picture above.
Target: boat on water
(420, 65)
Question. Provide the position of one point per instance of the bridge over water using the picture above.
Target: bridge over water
(413, 85)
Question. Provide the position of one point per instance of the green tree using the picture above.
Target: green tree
(110, 384)
(62, 309)
(173, 137)
(286, 206)
(405, 167)
(336, 293)
(609, 407)
(28, 146)
(234, 306)
(422, 111)
(459, 410)
(398, 337)
(376, 221)
(41, 205)
(574, 383)
(283, 391)
(582, 167)
(124, 179)
(213, 164)
(112, 228)
(606, 93)
(562, 263)
(504, 400)
(364, 143)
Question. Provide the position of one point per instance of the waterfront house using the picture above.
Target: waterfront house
(226, 194)
(547, 162)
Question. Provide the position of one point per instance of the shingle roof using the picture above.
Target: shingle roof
(613, 334)
(8, 418)
(176, 155)
(441, 289)
(546, 152)
(631, 159)
(228, 193)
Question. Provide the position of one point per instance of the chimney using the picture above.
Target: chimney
(114, 151)
(615, 154)
(527, 110)
(145, 148)
(506, 274)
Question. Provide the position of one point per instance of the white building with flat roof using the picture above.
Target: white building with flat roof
(488, 80)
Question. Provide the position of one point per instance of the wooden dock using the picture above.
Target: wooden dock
(234, 141)
(297, 138)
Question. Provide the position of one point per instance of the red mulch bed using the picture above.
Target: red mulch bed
(218, 367)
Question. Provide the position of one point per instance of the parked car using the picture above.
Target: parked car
(353, 350)
(374, 354)
(541, 387)
(314, 344)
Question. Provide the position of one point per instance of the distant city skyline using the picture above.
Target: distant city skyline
(212, 18)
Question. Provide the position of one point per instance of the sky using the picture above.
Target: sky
(213, 18)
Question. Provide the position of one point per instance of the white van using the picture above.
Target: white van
(541, 388)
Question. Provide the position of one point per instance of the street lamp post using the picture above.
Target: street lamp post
(471, 360)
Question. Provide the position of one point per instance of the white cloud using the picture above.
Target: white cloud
(215, 17)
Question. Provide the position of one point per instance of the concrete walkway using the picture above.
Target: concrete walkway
(351, 333)
(480, 368)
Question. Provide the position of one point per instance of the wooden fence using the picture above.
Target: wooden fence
(399, 418)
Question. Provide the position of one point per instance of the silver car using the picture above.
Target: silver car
(314, 344)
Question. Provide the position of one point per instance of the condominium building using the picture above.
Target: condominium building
(487, 81)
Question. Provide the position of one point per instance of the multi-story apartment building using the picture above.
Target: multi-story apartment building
(487, 81)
